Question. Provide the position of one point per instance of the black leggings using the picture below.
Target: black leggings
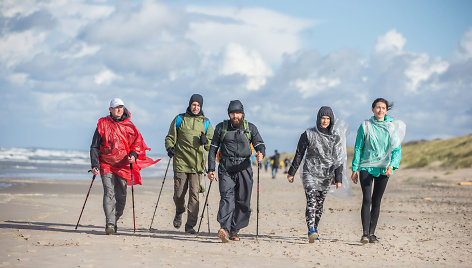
(371, 200)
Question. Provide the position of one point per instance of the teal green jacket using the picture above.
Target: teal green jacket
(363, 151)
(189, 156)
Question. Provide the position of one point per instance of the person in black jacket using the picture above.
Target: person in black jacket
(275, 163)
(233, 139)
(323, 166)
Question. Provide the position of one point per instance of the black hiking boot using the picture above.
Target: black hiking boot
(189, 229)
(365, 239)
(178, 220)
(373, 239)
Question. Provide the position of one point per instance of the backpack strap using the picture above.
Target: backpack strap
(206, 122)
(180, 118)
(225, 129)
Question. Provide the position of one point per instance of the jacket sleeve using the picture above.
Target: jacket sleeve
(95, 149)
(358, 147)
(338, 174)
(171, 137)
(297, 159)
(256, 139)
(396, 157)
(214, 146)
(209, 135)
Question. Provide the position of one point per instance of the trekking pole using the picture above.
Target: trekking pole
(132, 197)
(159, 197)
(257, 219)
(203, 212)
(93, 178)
(207, 205)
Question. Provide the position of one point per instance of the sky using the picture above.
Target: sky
(62, 61)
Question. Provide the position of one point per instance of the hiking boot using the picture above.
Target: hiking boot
(178, 220)
(223, 235)
(365, 239)
(109, 229)
(373, 239)
(190, 230)
(233, 235)
(312, 235)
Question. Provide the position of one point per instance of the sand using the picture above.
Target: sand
(425, 221)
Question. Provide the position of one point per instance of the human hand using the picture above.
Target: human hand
(95, 171)
(338, 184)
(290, 178)
(388, 171)
(203, 139)
(211, 175)
(171, 152)
(259, 156)
(355, 176)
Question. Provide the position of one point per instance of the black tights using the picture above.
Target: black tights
(371, 200)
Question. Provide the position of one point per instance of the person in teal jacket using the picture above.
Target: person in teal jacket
(377, 154)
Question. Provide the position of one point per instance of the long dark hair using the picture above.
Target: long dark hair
(389, 105)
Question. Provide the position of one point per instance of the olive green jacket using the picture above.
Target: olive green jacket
(189, 156)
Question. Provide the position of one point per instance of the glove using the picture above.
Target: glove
(171, 152)
(203, 139)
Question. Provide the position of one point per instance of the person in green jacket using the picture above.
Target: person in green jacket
(377, 153)
(189, 136)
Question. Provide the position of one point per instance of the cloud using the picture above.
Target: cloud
(257, 28)
(392, 41)
(62, 61)
(240, 60)
(463, 50)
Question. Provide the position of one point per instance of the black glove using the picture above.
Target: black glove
(171, 152)
(203, 139)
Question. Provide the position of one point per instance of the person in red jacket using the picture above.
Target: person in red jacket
(117, 146)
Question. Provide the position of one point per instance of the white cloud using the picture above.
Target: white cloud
(105, 77)
(464, 48)
(17, 47)
(240, 60)
(271, 33)
(422, 68)
(392, 41)
(314, 86)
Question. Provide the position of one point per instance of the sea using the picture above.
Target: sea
(34, 163)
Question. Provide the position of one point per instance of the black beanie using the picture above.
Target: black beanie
(196, 98)
(235, 106)
(325, 111)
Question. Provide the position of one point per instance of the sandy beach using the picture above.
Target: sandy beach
(424, 222)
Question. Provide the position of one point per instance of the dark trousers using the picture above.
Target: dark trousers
(370, 210)
(182, 182)
(235, 199)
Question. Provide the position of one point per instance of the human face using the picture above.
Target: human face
(117, 112)
(195, 108)
(236, 119)
(325, 120)
(380, 110)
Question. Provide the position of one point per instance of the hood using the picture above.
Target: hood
(325, 111)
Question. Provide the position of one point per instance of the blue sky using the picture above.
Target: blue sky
(62, 61)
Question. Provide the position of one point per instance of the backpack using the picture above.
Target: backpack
(180, 118)
(225, 129)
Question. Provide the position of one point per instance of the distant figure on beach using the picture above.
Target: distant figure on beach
(377, 153)
(233, 139)
(266, 165)
(286, 165)
(275, 163)
(189, 136)
(325, 153)
(116, 145)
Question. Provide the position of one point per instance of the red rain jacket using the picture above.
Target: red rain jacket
(118, 140)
